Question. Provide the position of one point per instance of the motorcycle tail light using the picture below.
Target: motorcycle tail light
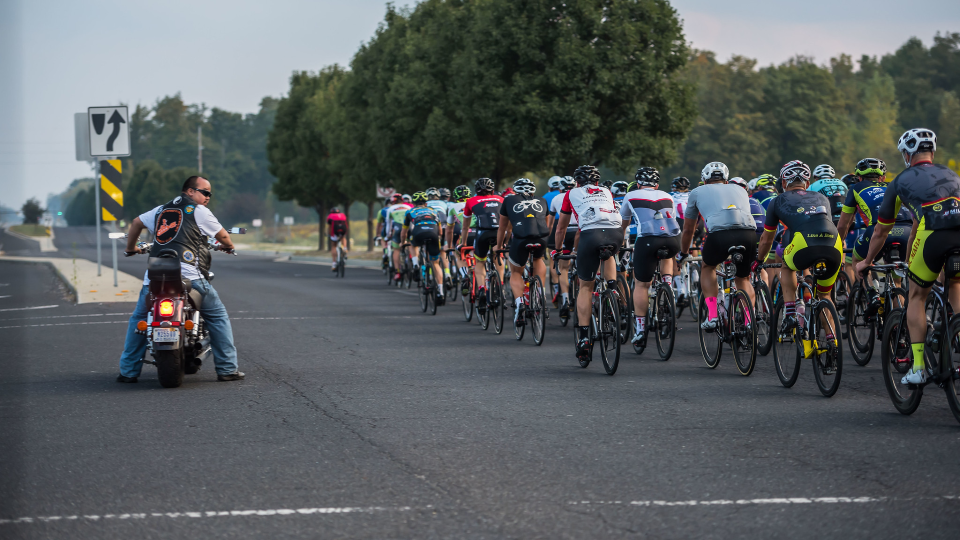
(166, 308)
(188, 325)
(142, 326)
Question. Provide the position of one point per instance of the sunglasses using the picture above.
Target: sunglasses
(204, 192)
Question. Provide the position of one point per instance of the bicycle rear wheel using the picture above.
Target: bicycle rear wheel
(764, 317)
(695, 293)
(431, 291)
(743, 333)
(483, 315)
(538, 307)
(950, 371)
(828, 354)
(453, 291)
(341, 264)
(897, 359)
(422, 293)
(841, 296)
(626, 309)
(861, 331)
(787, 349)
(609, 331)
(467, 307)
(665, 324)
(711, 342)
(496, 302)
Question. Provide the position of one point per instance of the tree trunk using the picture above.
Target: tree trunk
(370, 226)
(321, 208)
(346, 212)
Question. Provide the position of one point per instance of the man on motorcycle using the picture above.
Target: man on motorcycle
(180, 225)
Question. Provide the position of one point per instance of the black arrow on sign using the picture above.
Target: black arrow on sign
(116, 120)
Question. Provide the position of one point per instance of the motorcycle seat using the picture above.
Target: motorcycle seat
(195, 298)
(163, 269)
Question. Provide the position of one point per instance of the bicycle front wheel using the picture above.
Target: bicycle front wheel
(763, 313)
(538, 310)
(860, 329)
(496, 302)
(608, 331)
(743, 333)
(711, 342)
(897, 359)
(695, 293)
(422, 293)
(827, 353)
(431, 291)
(467, 307)
(665, 324)
(787, 349)
(626, 309)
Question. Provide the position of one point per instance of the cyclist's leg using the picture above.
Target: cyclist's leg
(748, 240)
(481, 249)
(588, 262)
(517, 257)
(432, 245)
(714, 252)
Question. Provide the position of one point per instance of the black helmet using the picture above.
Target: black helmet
(647, 176)
(586, 174)
(444, 194)
(619, 188)
(484, 184)
(461, 193)
(607, 184)
(849, 179)
(871, 166)
(681, 182)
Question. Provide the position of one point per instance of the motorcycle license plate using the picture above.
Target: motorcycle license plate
(166, 335)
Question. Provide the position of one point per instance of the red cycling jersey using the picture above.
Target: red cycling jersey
(487, 210)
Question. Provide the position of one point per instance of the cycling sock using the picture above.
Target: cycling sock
(641, 324)
(446, 272)
(565, 297)
(678, 283)
(711, 302)
(917, 355)
(556, 290)
(667, 279)
(583, 332)
(518, 300)
(789, 308)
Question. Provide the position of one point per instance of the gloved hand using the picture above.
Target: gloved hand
(681, 257)
(754, 265)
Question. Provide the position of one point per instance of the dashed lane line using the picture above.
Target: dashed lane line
(781, 500)
(67, 316)
(125, 322)
(31, 307)
(211, 514)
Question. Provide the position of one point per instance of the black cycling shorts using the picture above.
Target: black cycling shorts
(486, 238)
(429, 240)
(645, 254)
(588, 251)
(568, 239)
(899, 234)
(519, 253)
(716, 248)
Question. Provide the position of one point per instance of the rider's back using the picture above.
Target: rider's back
(722, 207)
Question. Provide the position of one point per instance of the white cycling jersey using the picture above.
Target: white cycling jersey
(593, 206)
(680, 198)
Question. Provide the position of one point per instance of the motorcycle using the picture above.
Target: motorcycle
(177, 338)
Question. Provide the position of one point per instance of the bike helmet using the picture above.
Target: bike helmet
(752, 185)
(619, 189)
(432, 193)
(916, 140)
(406, 198)
(461, 193)
(524, 186)
(607, 184)
(714, 171)
(484, 185)
(444, 194)
(824, 172)
(396, 198)
(767, 182)
(849, 179)
(419, 197)
(795, 171)
(631, 186)
(508, 191)
(870, 166)
(335, 210)
(738, 181)
(647, 176)
(555, 182)
(681, 183)
(586, 174)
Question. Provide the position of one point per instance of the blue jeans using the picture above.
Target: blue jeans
(214, 317)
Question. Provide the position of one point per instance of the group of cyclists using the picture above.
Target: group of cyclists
(803, 219)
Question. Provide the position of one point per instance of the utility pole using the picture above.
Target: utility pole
(200, 148)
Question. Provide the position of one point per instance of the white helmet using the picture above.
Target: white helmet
(524, 186)
(738, 181)
(714, 170)
(917, 140)
(751, 185)
(554, 182)
(824, 172)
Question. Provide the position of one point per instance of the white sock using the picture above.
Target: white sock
(518, 300)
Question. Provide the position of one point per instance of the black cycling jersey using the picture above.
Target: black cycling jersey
(527, 215)
(802, 211)
(931, 193)
(422, 218)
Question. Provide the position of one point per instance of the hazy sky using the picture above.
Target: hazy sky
(60, 57)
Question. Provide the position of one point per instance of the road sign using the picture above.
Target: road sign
(385, 192)
(288, 220)
(258, 223)
(111, 196)
(109, 131)
(81, 130)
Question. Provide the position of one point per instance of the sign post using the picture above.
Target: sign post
(113, 142)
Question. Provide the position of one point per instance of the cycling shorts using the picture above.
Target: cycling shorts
(929, 253)
(645, 254)
(716, 248)
(568, 239)
(486, 238)
(899, 234)
(851, 243)
(806, 249)
(395, 237)
(588, 251)
(519, 253)
(429, 240)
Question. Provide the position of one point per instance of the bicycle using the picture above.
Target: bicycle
(534, 301)
(426, 285)
(814, 337)
(689, 272)
(625, 289)
(763, 309)
(863, 329)
(341, 261)
(661, 313)
(452, 287)
(940, 366)
(736, 315)
(468, 297)
(604, 319)
(573, 286)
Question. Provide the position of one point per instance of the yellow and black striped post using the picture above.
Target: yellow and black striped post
(111, 196)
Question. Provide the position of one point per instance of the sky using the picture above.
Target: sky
(59, 57)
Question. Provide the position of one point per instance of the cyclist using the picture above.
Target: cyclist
(810, 236)
(486, 207)
(395, 216)
(455, 215)
(337, 221)
(729, 223)
(407, 199)
(554, 185)
(680, 194)
(599, 224)
(525, 216)
(766, 189)
(440, 207)
(619, 189)
(932, 195)
(445, 195)
(569, 243)
(654, 212)
(831, 188)
(422, 224)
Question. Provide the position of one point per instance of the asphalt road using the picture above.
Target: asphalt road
(361, 417)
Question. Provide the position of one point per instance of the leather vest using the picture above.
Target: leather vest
(176, 229)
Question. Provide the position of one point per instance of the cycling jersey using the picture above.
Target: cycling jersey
(810, 234)
(653, 210)
(527, 216)
(722, 206)
(421, 219)
(549, 196)
(758, 213)
(487, 210)
(338, 225)
(632, 228)
(680, 198)
(931, 193)
(441, 209)
(763, 195)
(864, 198)
(593, 206)
(555, 210)
(395, 215)
(828, 186)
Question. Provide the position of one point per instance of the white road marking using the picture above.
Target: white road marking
(125, 322)
(26, 308)
(63, 324)
(66, 316)
(208, 514)
(784, 500)
(5, 296)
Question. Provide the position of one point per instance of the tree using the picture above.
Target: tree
(877, 128)
(82, 209)
(32, 212)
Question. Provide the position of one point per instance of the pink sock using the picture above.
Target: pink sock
(711, 306)
(746, 317)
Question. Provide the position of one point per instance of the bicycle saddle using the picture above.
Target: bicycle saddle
(819, 269)
(607, 251)
(737, 253)
(663, 253)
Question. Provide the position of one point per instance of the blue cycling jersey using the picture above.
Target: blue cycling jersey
(829, 186)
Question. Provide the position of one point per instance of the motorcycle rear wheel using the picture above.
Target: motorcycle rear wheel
(169, 368)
